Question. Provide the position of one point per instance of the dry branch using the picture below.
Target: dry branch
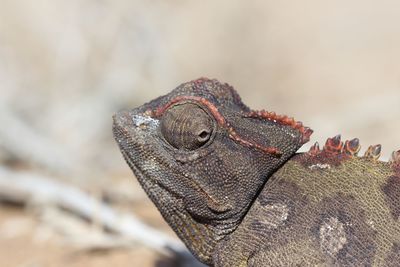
(26, 144)
(35, 189)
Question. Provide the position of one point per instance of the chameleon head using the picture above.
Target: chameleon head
(202, 155)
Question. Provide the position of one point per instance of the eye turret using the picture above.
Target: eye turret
(187, 126)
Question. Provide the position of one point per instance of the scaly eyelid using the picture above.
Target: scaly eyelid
(220, 120)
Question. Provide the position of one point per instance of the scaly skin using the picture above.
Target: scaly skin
(321, 210)
(228, 182)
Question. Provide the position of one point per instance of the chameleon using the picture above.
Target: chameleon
(230, 182)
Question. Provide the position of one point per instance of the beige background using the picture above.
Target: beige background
(66, 66)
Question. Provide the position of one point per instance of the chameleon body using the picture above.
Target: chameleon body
(229, 182)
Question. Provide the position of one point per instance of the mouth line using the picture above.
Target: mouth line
(142, 178)
(149, 179)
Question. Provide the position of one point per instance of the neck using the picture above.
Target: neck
(200, 238)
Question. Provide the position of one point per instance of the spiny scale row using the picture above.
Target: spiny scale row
(351, 147)
(395, 157)
(283, 119)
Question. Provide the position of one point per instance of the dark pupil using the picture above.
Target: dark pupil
(203, 134)
(186, 126)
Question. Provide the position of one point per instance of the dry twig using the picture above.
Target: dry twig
(35, 189)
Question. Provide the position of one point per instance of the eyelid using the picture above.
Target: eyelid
(182, 124)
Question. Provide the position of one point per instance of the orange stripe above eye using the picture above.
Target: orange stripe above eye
(211, 107)
(220, 120)
(283, 120)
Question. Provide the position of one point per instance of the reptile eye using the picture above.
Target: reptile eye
(187, 126)
(204, 135)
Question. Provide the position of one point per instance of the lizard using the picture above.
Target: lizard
(231, 184)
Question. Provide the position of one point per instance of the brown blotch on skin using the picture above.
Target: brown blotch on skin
(272, 216)
(280, 212)
(332, 236)
(343, 233)
(392, 195)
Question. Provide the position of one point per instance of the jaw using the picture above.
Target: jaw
(157, 166)
(175, 190)
(204, 192)
(151, 163)
(135, 134)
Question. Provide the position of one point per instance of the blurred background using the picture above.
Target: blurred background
(68, 198)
